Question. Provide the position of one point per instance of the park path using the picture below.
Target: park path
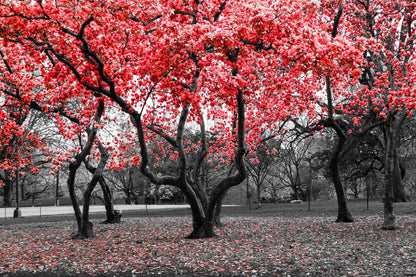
(62, 210)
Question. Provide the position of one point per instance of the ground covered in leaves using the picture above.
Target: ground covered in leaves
(245, 246)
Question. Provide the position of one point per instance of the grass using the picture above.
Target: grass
(275, 240)
(328, 209)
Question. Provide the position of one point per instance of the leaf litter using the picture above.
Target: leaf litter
(245, 246)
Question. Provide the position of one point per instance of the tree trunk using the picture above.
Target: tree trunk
(344, 214)
(202, 221)
(22, 190)
(156, 195)
(389, 217)
(217, 211)
(73, 167)
(86, 230)
(127, 200)
(295, 191)
(202, 227)
(248, 194)
(112, 215)
(258, 196)
(7, 192)
(398, 187)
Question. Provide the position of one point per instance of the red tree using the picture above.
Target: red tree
(165, 63)
(388, 76)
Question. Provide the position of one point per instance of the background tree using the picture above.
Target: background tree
(387, 77)
(293, 167)
(261, 162)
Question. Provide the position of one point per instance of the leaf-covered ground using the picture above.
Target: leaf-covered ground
(245, 246)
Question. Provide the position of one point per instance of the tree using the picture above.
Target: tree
(72, 128)
(388, 77)
(344, 214)
(261, 163)
(292, 162)
(168, 63)
(18, 143)
(364, 162)
(125, 180)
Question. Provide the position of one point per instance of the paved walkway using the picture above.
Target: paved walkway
(60, 210)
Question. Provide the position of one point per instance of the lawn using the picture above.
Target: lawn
(276, 240)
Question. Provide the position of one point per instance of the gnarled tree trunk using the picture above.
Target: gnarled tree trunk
(112, 215)
(74, 166)
(86, 230)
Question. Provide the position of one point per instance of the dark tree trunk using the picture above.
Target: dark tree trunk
(112, 215)
(344, 215)
(217, 211)
(202, 221)
(7, 192)
(295, 192)
(202, 227)
(86, 230)
(389, 217)
(258, 196)
(398, 175)
(156, 195)
(127, 200)
(73, 167)
(22, 190)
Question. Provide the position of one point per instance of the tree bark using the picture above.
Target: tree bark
(73, 167)
(344, 214)
(202, 227)
(156, 195)
(217, 211)
(127, 200)
(389, 217)
(258, 196)
(398, 187)
(86, 230)
(112, 215)
(7, 192)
